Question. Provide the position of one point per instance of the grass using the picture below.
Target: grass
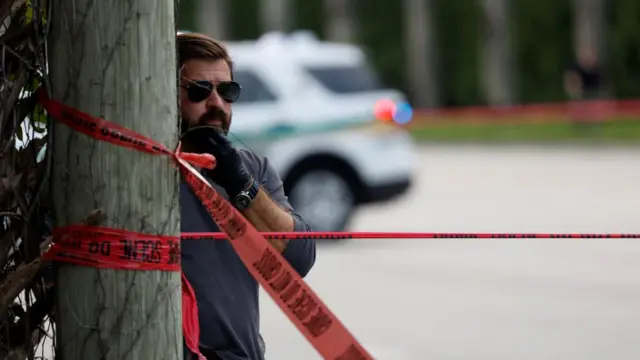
(615, 131)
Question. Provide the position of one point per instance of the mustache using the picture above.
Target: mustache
(213, 114)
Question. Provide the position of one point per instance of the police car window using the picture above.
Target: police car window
(345, 79)
(253, 88)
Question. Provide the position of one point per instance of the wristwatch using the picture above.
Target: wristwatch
(243, 199)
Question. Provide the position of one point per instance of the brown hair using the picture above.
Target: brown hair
(200, 46)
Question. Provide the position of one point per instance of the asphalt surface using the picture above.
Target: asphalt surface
(489, 299)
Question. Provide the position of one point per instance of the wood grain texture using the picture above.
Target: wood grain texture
(116, 59)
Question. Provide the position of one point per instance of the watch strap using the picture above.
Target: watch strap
(253, 189)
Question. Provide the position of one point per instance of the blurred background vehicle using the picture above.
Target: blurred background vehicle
(310, 112)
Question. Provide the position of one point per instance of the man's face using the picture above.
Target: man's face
(213, 110)
(588, 58)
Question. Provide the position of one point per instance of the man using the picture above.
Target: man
(584, 78)
(226, 293)
(585, 84)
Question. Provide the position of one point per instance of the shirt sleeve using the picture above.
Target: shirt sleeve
(301, 253)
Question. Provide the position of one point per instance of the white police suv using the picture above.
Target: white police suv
(308, 106)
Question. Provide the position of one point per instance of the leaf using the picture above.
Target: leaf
(41, 153)
(33, 85)
(20, 133)
(43, 14)
(29, 12)
(39, 119)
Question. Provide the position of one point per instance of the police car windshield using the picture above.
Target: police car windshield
(345, 79)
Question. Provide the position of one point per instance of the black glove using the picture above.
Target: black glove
(230, 172)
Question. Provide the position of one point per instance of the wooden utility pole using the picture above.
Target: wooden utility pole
(116, 60)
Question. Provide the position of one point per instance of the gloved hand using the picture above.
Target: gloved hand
(230, 172)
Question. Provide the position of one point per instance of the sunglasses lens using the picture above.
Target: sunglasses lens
(229, 91)
(199, 90)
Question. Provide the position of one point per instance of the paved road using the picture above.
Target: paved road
(490, 299)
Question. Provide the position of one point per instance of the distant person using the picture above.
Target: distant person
(584, 84)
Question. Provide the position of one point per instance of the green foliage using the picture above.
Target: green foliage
(186, 15)
(39, 119)
(623, 50)
(616, 131)
(381, 35)
(244, 19)
(541, 33)
(458, 26)
(542, 47)
(309, 15)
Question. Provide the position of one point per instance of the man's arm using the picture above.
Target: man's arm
(271, 211)
(266, 215)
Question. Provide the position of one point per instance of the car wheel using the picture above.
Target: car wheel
(324, 198)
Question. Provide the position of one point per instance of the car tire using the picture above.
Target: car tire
(324, 196)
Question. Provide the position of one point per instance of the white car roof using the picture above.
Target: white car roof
(300, 47)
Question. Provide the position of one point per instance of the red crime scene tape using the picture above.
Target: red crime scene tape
(119, 249)
(321, 235)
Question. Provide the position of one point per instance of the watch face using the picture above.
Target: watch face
(242, 201)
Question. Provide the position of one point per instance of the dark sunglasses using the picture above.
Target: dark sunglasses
(199, 90)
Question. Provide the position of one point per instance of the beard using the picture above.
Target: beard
(206, 119)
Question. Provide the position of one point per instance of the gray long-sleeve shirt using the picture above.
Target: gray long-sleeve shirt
(226, 293)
